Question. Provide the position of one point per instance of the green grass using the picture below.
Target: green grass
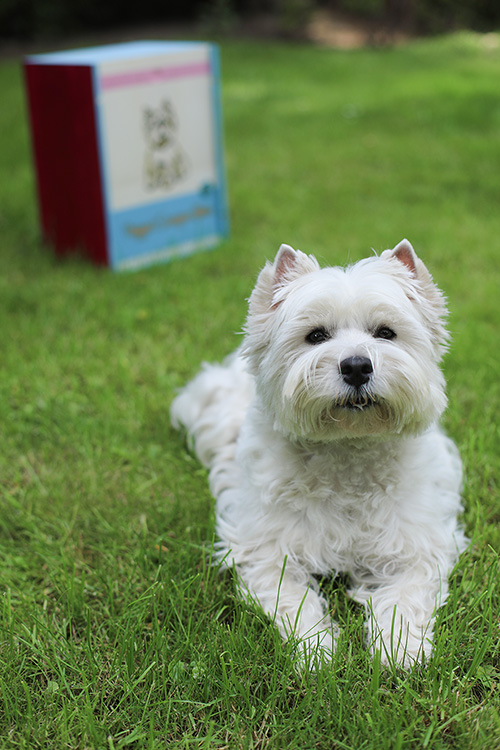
(116, 631)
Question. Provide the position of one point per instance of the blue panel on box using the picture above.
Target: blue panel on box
(165, 230)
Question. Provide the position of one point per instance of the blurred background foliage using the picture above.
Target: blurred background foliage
(41, 19)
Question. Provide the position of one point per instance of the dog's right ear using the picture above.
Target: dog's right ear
(270, 289)
(269, 292)
(288, 265)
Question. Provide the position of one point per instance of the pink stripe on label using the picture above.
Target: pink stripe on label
(154, 75)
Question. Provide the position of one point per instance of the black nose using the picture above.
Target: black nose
(356, 371)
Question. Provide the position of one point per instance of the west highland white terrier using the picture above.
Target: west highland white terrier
(325, 456)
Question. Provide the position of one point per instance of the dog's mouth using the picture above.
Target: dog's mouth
(356, 401)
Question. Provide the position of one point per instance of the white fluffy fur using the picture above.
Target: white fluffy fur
(314, 476)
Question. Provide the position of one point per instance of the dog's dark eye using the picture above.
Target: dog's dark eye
(384, 332)
(317, 336)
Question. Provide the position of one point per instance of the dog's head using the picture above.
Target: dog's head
(347, 353)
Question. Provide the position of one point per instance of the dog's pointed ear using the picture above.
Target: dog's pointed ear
(284, 265)
(267, 296)
(405, 253)
(421, 287)
(270, 289)
(289, 264)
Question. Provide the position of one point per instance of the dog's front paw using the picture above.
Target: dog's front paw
(316, 648)
(403, 645)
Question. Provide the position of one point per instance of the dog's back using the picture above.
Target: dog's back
(212, 407)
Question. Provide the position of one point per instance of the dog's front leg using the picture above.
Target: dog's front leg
(289, 596)
(400, 614)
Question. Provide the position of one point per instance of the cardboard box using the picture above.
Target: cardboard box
(127, 142)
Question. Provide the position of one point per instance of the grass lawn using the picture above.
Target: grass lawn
(115, 629)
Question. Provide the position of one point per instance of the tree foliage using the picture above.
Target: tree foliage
(428, 16)
(28, 19)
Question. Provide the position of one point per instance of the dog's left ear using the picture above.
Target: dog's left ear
(423, 289)
(405, 253)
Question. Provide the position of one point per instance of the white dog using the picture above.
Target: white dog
(324, 454)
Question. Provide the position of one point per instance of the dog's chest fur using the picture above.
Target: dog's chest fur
(338, 503)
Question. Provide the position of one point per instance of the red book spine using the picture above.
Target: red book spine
(64, 132)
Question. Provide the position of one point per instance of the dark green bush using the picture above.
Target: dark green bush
(41, 18)
(427, 16)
